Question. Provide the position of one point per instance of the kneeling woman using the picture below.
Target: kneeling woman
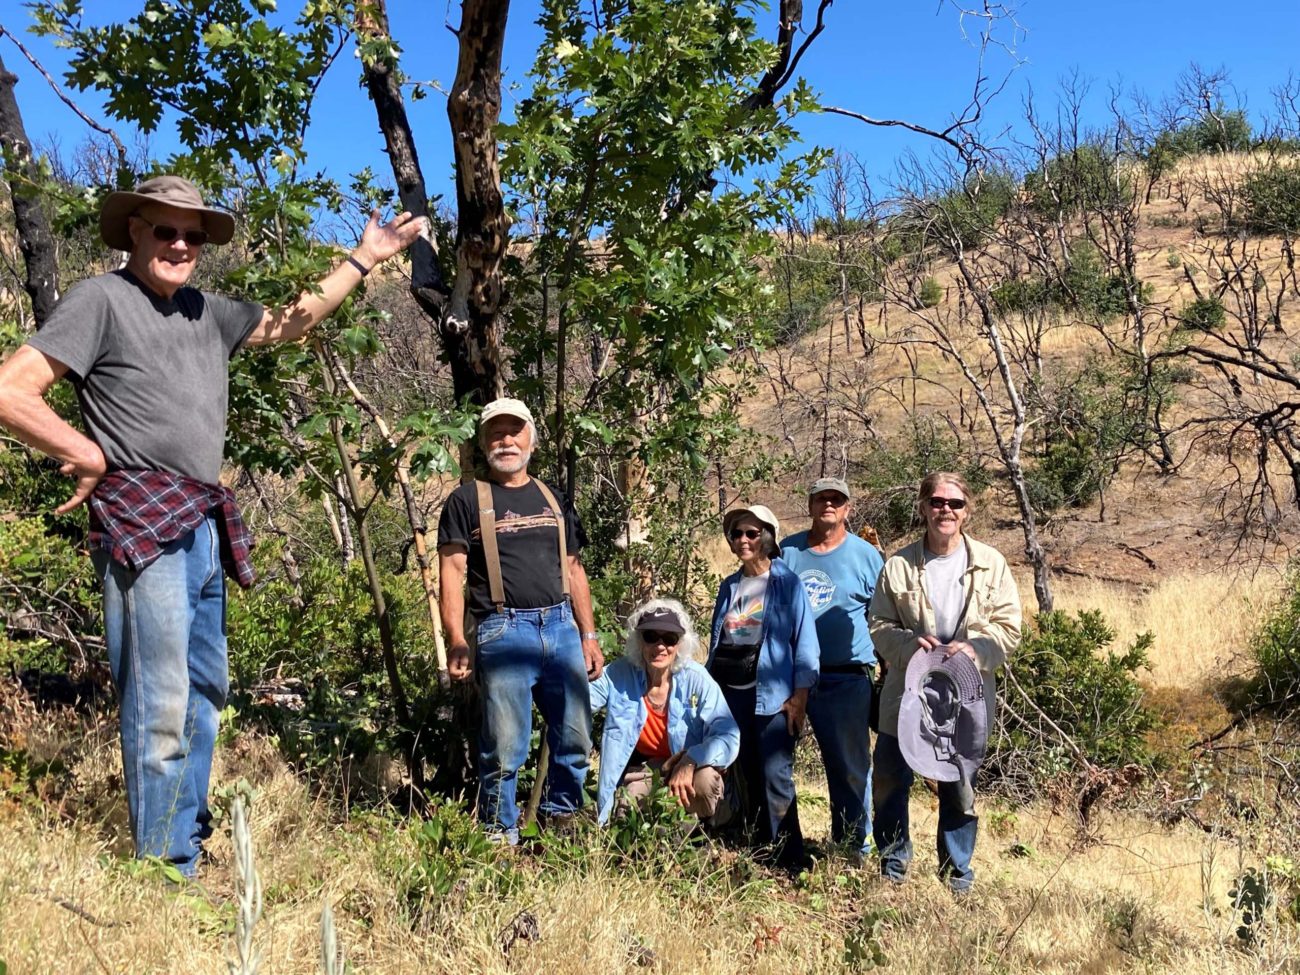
(664, 712)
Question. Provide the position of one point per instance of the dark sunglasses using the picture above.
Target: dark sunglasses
(938, 504)
(166, 234)
(651, 637)
(739, 533)
(837, 500)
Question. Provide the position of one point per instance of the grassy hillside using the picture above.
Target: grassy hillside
(1144, 883)
(1137, 888)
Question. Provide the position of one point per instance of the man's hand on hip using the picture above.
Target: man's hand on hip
(88, 472)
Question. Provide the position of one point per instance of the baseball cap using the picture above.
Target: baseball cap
(505, 406)
(663, 619)
(830, 484)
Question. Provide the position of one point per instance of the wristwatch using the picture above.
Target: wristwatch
(591, 636)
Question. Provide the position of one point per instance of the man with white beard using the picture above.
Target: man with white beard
(513, 585)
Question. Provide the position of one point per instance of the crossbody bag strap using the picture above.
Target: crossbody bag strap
(562, 527)
(487, 528)
(970, 593)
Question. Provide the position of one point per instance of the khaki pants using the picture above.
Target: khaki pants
(638, 781)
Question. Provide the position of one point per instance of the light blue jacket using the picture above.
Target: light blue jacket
(790, 655)
(698, 720)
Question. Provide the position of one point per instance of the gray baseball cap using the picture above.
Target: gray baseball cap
(830, 484)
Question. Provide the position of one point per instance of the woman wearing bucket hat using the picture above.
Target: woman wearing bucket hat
(764, 653)
(663, 712)
(951, 602)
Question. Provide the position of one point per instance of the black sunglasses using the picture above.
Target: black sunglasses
(738, 533)
(668, 639)
(837, 500)
(938, 504)
(166, 234)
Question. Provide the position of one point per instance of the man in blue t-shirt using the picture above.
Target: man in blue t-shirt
(839, 572)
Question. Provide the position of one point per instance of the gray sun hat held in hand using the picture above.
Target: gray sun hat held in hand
(943, 721)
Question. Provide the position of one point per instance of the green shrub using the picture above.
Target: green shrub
(332, 631)
(1229, 132)
(435, 862)
(1091, 417)
(1090, 692)
(49, 598)
(930, 294)
(1203, 315)
(1022, 296)
(967, 214)
(1086, 176)
(1276, 644)
(1085, 287)
(1091, 290)
(1271, 197)
(1070, 474)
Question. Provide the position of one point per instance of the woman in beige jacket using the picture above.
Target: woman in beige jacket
(945, 589)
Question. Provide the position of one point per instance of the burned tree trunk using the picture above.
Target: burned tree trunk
(465, 311)
(382, 81)
(469, 328)
(34, 237)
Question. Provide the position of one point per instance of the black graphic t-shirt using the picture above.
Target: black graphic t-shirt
(526, 539)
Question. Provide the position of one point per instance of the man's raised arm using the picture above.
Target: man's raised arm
(378, 244)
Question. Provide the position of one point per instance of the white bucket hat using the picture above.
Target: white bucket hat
(760, 513)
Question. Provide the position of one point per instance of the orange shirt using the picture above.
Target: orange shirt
(653, 742)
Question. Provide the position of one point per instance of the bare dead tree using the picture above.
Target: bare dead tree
(996, 30)
(995, 355)
(35, 240)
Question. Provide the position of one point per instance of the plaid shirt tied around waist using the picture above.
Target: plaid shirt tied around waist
(135, 513)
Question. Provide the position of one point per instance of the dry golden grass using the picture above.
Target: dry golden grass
(1201, 622)
(1132, 897)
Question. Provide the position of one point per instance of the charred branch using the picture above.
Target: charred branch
(34, 237)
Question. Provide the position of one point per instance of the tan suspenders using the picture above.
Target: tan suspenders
(487, 527)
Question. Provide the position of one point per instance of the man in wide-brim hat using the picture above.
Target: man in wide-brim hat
(149, 358)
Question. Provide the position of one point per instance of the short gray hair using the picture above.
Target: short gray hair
(687, 647)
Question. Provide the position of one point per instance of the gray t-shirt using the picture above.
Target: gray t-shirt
(943, 583)
(151, 374)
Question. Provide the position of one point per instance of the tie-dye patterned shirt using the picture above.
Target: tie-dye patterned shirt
(743, 624)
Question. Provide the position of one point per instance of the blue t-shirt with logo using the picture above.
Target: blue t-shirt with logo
(839, 584)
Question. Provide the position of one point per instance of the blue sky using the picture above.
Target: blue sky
(887, 58)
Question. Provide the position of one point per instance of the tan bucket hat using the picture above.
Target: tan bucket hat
(172, 191)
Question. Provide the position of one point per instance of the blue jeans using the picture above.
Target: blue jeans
(166, 633)
(957, 822)
(526, 656)
(766, 770)
(839, 708)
